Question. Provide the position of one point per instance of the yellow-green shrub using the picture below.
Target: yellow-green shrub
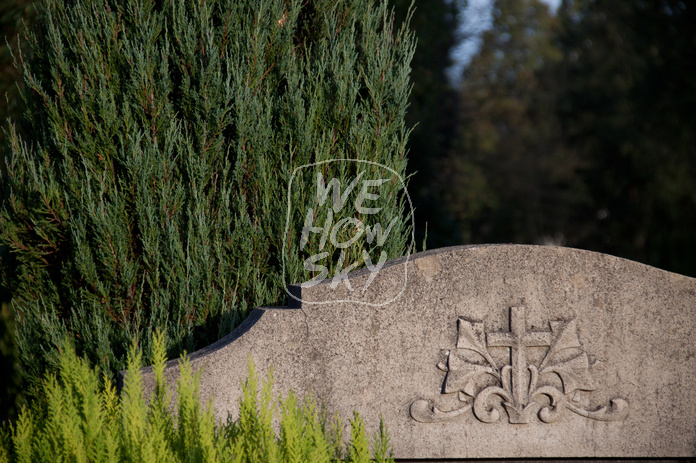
(81, 418)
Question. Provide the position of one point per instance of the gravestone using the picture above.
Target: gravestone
(499, 351)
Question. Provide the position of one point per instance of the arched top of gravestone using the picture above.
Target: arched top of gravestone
(379, 288)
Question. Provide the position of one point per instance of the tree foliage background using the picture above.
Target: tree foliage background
(577, 128)
(626, 106)
(432, 112)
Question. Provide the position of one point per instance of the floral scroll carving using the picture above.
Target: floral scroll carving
(517, 390)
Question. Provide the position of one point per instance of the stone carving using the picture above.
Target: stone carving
(519, 388)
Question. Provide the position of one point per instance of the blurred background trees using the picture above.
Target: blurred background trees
(432, 112)
(626, 93)
(571, 126)
(510, 177)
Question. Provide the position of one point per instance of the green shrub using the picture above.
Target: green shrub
(153, 191)
(82, 419)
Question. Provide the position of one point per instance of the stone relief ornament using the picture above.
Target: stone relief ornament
(521, 389)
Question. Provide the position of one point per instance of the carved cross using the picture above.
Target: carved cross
(518, 339)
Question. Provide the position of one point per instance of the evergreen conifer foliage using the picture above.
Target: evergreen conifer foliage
(83, 419)
(153, 191)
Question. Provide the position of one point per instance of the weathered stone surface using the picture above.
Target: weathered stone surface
(470, 359)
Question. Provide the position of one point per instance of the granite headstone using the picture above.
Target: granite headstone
(498, 351)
